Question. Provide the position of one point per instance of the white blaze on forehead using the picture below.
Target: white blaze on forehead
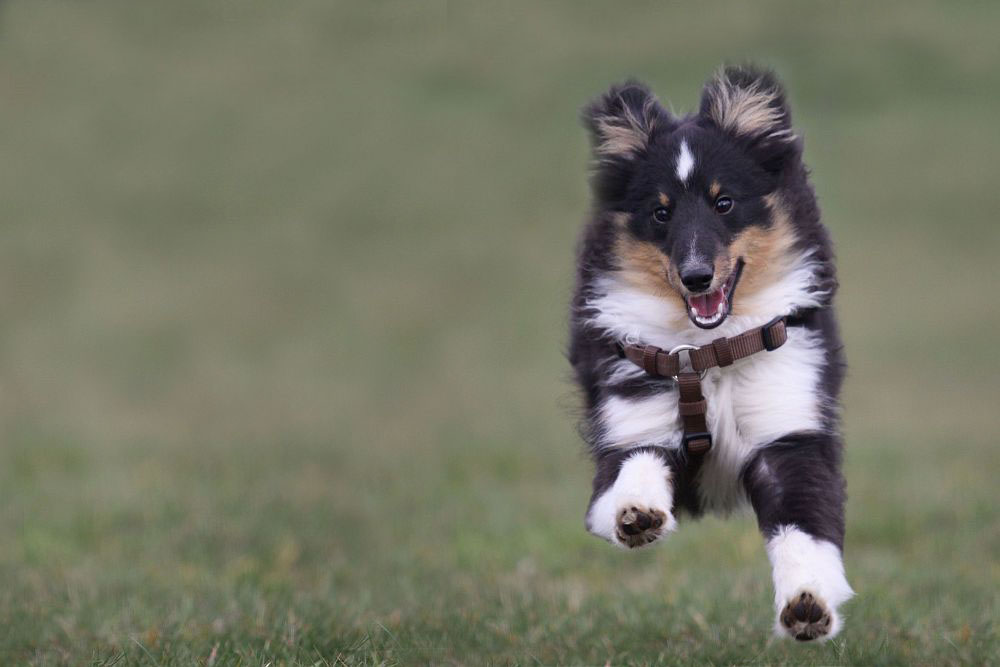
(685, 162)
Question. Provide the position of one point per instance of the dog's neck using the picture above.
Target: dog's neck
(631, 314)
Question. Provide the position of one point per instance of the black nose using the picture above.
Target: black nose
(697, 278)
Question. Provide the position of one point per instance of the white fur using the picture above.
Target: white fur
(621, 370)
(643, 481)
(634, 315)
(685, 162)
(750, 403)
(630, 423)
(799, 563)
(796, 289)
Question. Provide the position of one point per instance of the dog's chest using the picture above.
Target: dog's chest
(753, 403)
(750, 404)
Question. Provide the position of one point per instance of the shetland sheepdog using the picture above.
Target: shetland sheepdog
(704, 227)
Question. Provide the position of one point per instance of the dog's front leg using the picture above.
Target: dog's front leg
(797, 491)
(632, 502)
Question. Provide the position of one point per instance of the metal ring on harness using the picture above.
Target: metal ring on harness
(682, 348)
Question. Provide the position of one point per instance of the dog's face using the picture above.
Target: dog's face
(697, 201)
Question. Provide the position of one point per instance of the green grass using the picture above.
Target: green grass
(283, 292)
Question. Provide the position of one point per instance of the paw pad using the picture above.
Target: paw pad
(638, 526)
(806, 617)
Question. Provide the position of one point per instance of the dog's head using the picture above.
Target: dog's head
(697, 200)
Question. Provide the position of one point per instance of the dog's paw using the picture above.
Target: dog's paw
(638, 525)
(809, 585)
(807, 617)
(635, 511)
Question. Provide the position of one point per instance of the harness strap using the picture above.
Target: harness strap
(692, 406)
(721, 352)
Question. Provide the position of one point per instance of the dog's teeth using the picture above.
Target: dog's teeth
(722, 304)
(694, 312)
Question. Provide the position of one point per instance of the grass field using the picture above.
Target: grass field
(283, 293)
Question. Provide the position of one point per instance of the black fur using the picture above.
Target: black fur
(797, 479)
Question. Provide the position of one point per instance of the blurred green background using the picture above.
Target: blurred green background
(283, 291)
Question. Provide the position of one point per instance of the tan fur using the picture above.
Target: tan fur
(745, 111)
(644, 266)
(627, 135)
(620, 219)
(767, 254)
(721, 268)
(664, 199)
(618, 139)
(714, 189)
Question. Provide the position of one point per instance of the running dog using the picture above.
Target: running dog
(703, 335)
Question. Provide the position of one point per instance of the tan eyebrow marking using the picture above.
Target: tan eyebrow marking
(714, 189)
(620, 219)
(664, 199)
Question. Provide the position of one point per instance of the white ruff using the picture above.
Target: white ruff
(799, 563)
(643, 481)
(750, 404)
(685, 162)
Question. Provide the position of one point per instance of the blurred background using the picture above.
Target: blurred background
(283, 294)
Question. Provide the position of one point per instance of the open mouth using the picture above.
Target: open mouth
(710, 309)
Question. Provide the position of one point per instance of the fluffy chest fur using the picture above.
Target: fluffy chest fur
(752, 403)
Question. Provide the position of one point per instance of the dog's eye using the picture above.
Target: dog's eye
(661, 214)
(723, 205)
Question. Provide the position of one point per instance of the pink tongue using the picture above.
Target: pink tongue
(706, 304)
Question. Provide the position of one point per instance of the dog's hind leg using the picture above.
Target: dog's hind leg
(797, 491)
(632, 503)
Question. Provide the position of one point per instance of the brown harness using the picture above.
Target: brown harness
(721, 352)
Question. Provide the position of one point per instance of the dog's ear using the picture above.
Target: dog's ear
(622, 120)
(749, 104)
(622, 123)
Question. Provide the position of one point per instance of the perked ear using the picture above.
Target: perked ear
(749, 103)
(623, 120)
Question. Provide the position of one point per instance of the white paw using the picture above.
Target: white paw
(635, 511)
(809, 585)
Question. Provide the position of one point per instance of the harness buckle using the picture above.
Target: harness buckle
(767, 334)
(697, 443)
